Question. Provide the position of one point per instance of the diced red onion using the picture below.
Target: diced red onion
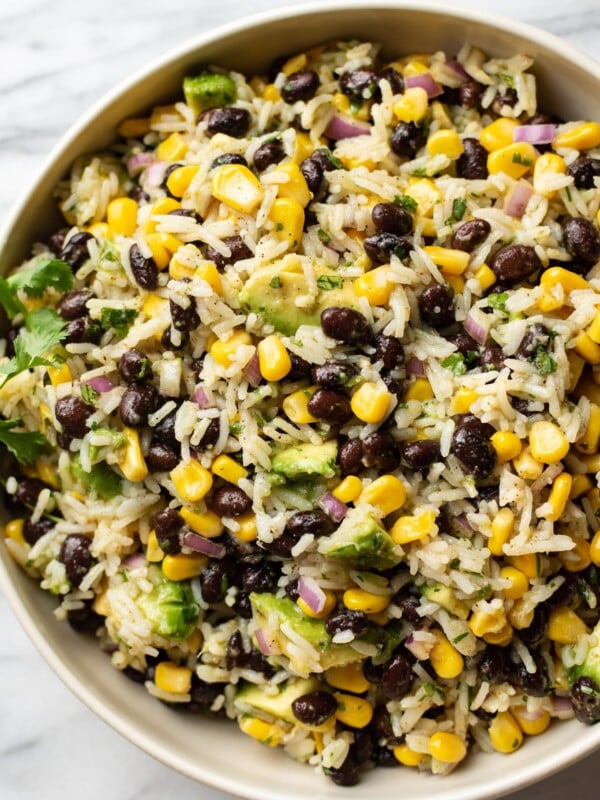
(139, 162)
(334, 507)
(562, 708)
(457, 68)
(518, 199)
(425, 81)
(312, 594)
(201, 545)
(418, 649)
(414, 366)
(100, 384)
(535, 134)
(266, 642)
(135, 561)
(462, 522)
(342, 128)
(252, 371)
(476, 328)
(155, 173)
(202, 398)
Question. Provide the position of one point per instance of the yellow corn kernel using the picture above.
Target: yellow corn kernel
(564, 277)
(348, 490)
(295, 407)
(593, 498)
(154, 306)
(425, 194)
(406, 756)
(163, 206)
(506, 444)
(485, 276)
(273, 359)
(581, 485)
(194, 642)
(412, 105)
(14, 530)
(482, 623)
(183, 567)
(229, 469)
(565, 626)
(100, 230)
(237, 187)
(587, 349)
(447, 747)
(445, 659)
(502, 638)
(132, 462)
(593, 330)
(576, 367)
(192, 481)
(47, 472)
(387, 493)
(456, 282)
(505, 733)
(341, 103)
(296, 186)
(454, 262)
(376, 285)
(501, 531)
(171, 678)
(445, 142)
(207, 271)
(172, 148)
(547, 442)
(178, 270)
(356, 712)
(531, 727)
(578, 558)
(264, 732)
(134, 128)
(589, 441)
(370, 402)
(101, 604)
(530, 564)
(247, 531)
(179, 179)
(294, 64)
(498, 134)
(162, 246)
(582, 137)
(559, 496)
(420, 389)
(287, 216)
(121, 215)
(303, 147)
(154, 552)
(414, 67)
(330, 604)
(595, 550)
(60, 374)
(547, 164)
(519, 583)
(350, 678)
(224, 351)
(515, 160)
(271, 93)
(207, 524)
(526, 466)
(360, 600)
(520, 616)
(592, 462)
(463, 400)
(414, 528)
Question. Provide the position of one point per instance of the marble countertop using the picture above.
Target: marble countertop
(58, 58)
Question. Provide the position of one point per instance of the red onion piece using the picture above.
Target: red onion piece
(457, 68)
(202, 397)
(252, 371)
(267, 643)
(425, 81)
(476, 328)
(135, 561)
(201, 545)
(414, 366)
(535, 134)
(138, 163)
(100, 384)
(517, 200)
(462, 521)
(155, 173)
(418, 649)
(334, 507)
(342, 128)
(562, 708)
(312, 594)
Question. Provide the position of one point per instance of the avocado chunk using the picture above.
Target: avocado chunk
(305, 459)
(171, 609)
(445, 597)
(584, 683)
(271, 293)
(280, 704)
(267, 607)
(209, 90)
(362, 542)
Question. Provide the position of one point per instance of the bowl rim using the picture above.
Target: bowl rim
(572, 751)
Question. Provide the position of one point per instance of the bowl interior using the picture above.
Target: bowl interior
(213, 751)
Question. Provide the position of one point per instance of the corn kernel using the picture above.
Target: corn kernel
(330, 604)
(192, 481)
(303, 147)
(271, 93)
(406, 756)
(154, 552)
(582, 137)
(559, 276)
(547, 164)
(445, 142)
(101, 230)
(134, 128)
(350, 678)
(565, 626)
(273, 359)
(287, 216)
(595, 550)
(132, 462)
(121, 215)
(412, 105)
(559, 496)
(370, 402)
(526, 466)
(581, 485)
(348, 490)
(501, 531)
(163, 246)
(515, 160)
(172, 148)
(162, 206)
(593, 330)
(414, 528)
(296, 186)
(264, 732)
(360, 600)
(498, 134)
(592, 462)
(179, 179)
(155, 307)
(518, 585)
(578, 558)
(505, 733)
(387, 493)
(454, 262)
(587, 349)
(547, 442)
(101, 604)
(376, 285)
(182, 567)
(455, 282)
(447, 747)
(502, 638)
(295, 407)
(520, 616)
(420, 389)
(483, 623)
(207, 524)
(194, 642)
(530, 564)
(356, 712)
(506, 444)
(179, 270)
(229, 469)
(207, 271)
(463, 400)
(485, 276)
(529, 726)
(60, 374)
(171, 678)
(14, 530)
(576, 367)
(225, 351)
(294, 64)
(414, 67)
(247, 531)
(425, 194)
(445, 659)
(237, 187)
(588, 443)
(341, 103)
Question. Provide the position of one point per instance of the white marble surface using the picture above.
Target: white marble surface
(57, 58)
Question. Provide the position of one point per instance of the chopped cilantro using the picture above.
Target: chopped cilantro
(333, 160)
(460, 637)
(459, 207)
(296, 342)
(519, 159)
(455, 563)
(279, 226)
(275, 282)
(44, 330)
(119, 319)
(26, 446)
(455, 363)
(100, 479)
(508, 80)
(420, 172)
(406, 201)
(355, 105)
(543, 361)
(88, 393)
(235, 428)
(323, 236)
(568, 191)
(44, 273)
(329, 282)
(498, 301)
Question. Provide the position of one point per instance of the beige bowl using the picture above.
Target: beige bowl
(214, 752)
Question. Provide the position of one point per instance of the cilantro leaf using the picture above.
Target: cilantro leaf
(455, 363)
(275, 282)
(328, 282)
(88, 393)
(333, 160)
(459, 206)
(44, 330)
(543, 361)
(43, 274)
(26, 446)
(406, 201)
(498, 301)
(10, 301)
(323, 236)
(119, 319)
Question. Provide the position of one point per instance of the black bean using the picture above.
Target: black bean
(313, 175)
(300, 85)
(407, 139)
(585, 696)
(73, 304)
(581, 239)
(396, 678)
(533, 635)
(136, 675)
(315, 522)
(347, 620)
(521, 405)
(514, 263)
(139, 195)
(228, 158)
(242, 605)
(583, 171)
(489, 493)
(436, 305)
(330, 406)
(81, 330)
(186, 212)
(238, 251)
(203, 695)
(476, 455)
(394, 78)
(382, 246)
(63, 440)
(76, 556)
(291, 590)
(380, 450)
(362, 747)
(144, 269)
(421, 454)
(393, 385)
(392, 218)
(75, 252)
(350, 457)
(509, 98)
(359, 84)
(216, 579)
(384, 757)
(470, 235)
(73, 414)
(531, 683)
(186, 319)
(491, 358)
(137, 403)
(231, 501)
(164, 431)
(270, 152)
(231, 121)
(389, 349)
(466, 346)
(537, 335)
(167, 339)
(134, 366)
(32, 531)
(346, 775)
(261, 577)
(56, 241)
(314, 708)
(409, 605)
(494, 666)
(161, 458)
(470, 93)
(165, 181)
(28, 491)
(346, 325)
(85, 620)
(473, 423)
(334, 374)
(564, 595)
(211, 434)
(234, 651)
(472, 164)
(167, 526)
(382, 724)
(372, 671)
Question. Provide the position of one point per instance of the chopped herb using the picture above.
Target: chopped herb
(460, 637)
(119, 319)
(508, 80)
(44, 330)
(26, 446)
(275, 282)
(515, 744)
(323, 236)
(519, 159)
(329, 282)
(333, 160)
(43, 274)
(431, 688)
(406, 201)
(355, 106)
(538, 564)
(455, 563)
(235, 428)
(568, 190)
(260, 421)
(459, 207)
(498, 301)
(88, 393)
(100, 479)
(485, 592)
(543, 361)
(420, 172)
(296, 342)
(455, 363)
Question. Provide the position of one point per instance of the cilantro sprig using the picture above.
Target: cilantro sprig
(33, 280)
(44, 330)
(26, 446)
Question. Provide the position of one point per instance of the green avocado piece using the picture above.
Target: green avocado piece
(100, 479)
(209, 90)
(171, 609)
(445, 597)
(271, 292)
(362, 542)
(306, 459)
(279, 705)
